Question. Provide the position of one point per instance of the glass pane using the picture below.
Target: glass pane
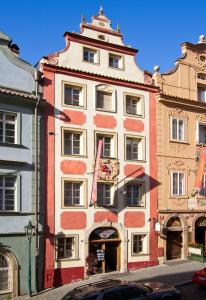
(67, 142)
(181, 183)
(174, 129)
(68, 193)
(181, 130)
(175, 184)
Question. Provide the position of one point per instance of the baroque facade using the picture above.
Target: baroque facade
(19, 191)
(95, 91)
(181, 133)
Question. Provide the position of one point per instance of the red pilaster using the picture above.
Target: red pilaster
(49, 161)
(153, 177)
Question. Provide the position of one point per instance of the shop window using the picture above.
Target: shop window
(67, 247)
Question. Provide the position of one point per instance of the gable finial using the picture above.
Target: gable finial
(101, 11)
(83, 20)
(118, 28)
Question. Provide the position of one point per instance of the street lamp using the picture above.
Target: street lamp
(29, 231)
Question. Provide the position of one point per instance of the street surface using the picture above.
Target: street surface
(177, 273)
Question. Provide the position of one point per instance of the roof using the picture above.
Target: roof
(17, 93)
(108, 78)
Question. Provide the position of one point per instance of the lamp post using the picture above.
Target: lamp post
(29, 231)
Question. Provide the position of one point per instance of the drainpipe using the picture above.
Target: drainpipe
(37, 77)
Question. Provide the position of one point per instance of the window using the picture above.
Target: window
(134, 148)
(115, 61)
(4, 274)
(139, 245)
(177, 132)
(133, 105)
(104, 101)
(73, 142)
(73, 95)
(7, 127)
(201, 139)
(90, 55)
(105, 194)
(107, 146)
(202, 191)
(201, 93)
(7, 193)
(73, 192)
(67, 247)
(134, 194)
(178, 184)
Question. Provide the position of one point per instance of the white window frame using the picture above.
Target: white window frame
(8, 268)
(140, 105)
(5, 122)
(82, 95)
(198, 132)
(82, 197)
(3, 188)
(91, 50)
(178, 184)
(202, 192)
(141, 185)
(109, 90)
(74, 245)
(178, 120)
(144, 240)
(120, 61)
(113, 147)
(141, 147)
(83, 146)
(201, 96)
(101, 202)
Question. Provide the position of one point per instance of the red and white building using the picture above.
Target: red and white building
(95, 91)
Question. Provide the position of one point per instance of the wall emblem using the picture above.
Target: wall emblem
(108, 169)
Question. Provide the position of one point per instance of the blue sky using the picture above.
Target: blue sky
(156, 28)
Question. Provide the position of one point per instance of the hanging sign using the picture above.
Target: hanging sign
(100, 255)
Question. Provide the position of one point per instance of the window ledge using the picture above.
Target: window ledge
(140, 254)
(135, 160)
(73, 106)
(108, 111)
(136, 116)
(179, 142)
(114, 68)
(178, 197)
(13, 145)
(74, 207)
(135, 206)
(67, 259)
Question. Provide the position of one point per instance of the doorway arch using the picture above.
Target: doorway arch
(104, 251)
(174, 239)
(9, 273)
(200, 230)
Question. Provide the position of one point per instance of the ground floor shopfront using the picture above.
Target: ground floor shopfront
(105, 247)
(178, 231)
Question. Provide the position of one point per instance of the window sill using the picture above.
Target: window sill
(200, 144)
(135, 206)
(178, 197)
(67, 259)
(135, 160)
(116, 68)
(136, 116)
(179, 142)
(104, 110)
(15, 213)
(13, 145)
(140, 254)
(74, 207)
(73, 106)
(90, 62)
(74, 155)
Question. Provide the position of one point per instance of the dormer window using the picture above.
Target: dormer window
(90, 55)
(201, 93)
(115, 61)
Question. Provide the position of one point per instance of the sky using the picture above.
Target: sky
(155, 27)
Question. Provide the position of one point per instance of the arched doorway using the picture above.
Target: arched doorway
(104, 251)
(200, 231)
(174, 238)
(5, 275)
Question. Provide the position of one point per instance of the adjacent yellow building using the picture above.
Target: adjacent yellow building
(181, 132)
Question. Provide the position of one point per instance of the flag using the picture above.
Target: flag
(95, 176)
(200, 171)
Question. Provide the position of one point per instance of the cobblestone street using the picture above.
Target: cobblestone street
(176, 273)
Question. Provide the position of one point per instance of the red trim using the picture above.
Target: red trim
(104, 30)
(68, 275)
(101, 19)
(153, 177)
(49, 178)
(98, 77)
(99, 44)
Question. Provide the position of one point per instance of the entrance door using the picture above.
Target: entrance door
(174, 244)
(104, 251)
